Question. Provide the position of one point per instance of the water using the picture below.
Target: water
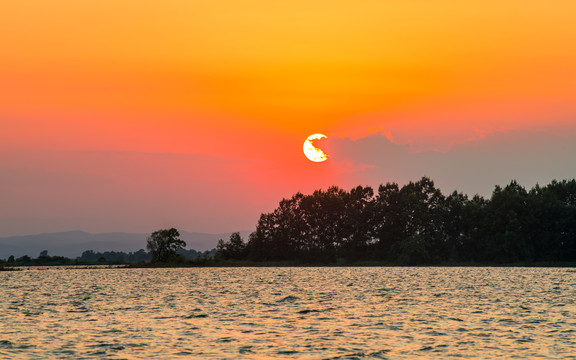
(288, 313)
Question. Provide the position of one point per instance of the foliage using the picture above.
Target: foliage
(117, 257)
(42, 260)
(163, 245)
(235, 248)
(417, 224)
(91, 257)
(410, 225)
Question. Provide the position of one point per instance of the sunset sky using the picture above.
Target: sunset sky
(125, 115)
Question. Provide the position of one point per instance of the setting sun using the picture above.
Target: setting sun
(313, 153)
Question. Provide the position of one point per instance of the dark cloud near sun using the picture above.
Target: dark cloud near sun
(473, 167)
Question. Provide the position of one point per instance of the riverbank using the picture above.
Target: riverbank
(272, 264)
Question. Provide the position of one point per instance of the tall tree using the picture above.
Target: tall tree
(358, 224)
(508, 226)
(389, 218)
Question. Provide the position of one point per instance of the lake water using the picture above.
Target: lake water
(289, 313)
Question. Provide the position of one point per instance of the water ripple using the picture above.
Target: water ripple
(289, 313)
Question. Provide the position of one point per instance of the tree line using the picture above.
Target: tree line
(176, 253)
(410, 225)
(416, 224)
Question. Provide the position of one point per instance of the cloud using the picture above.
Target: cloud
(473, 167)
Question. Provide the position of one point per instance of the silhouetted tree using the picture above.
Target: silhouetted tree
(280, 235)
(553, 210)
(164, 244)
(390, 221)
(323, 215)
(358, 224)
(454, 231)
(507, 225)
(89, 255)
(24, 259)
(235, 248)
(417, 224)
(409, 213)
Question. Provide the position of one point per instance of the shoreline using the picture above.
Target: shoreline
(567, 265)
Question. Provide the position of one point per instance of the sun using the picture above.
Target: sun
(313, 153)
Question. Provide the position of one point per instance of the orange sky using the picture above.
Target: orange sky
(248, 80)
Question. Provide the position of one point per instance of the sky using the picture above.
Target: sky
(132, 116)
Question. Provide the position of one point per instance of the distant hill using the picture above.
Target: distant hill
(72, 243)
